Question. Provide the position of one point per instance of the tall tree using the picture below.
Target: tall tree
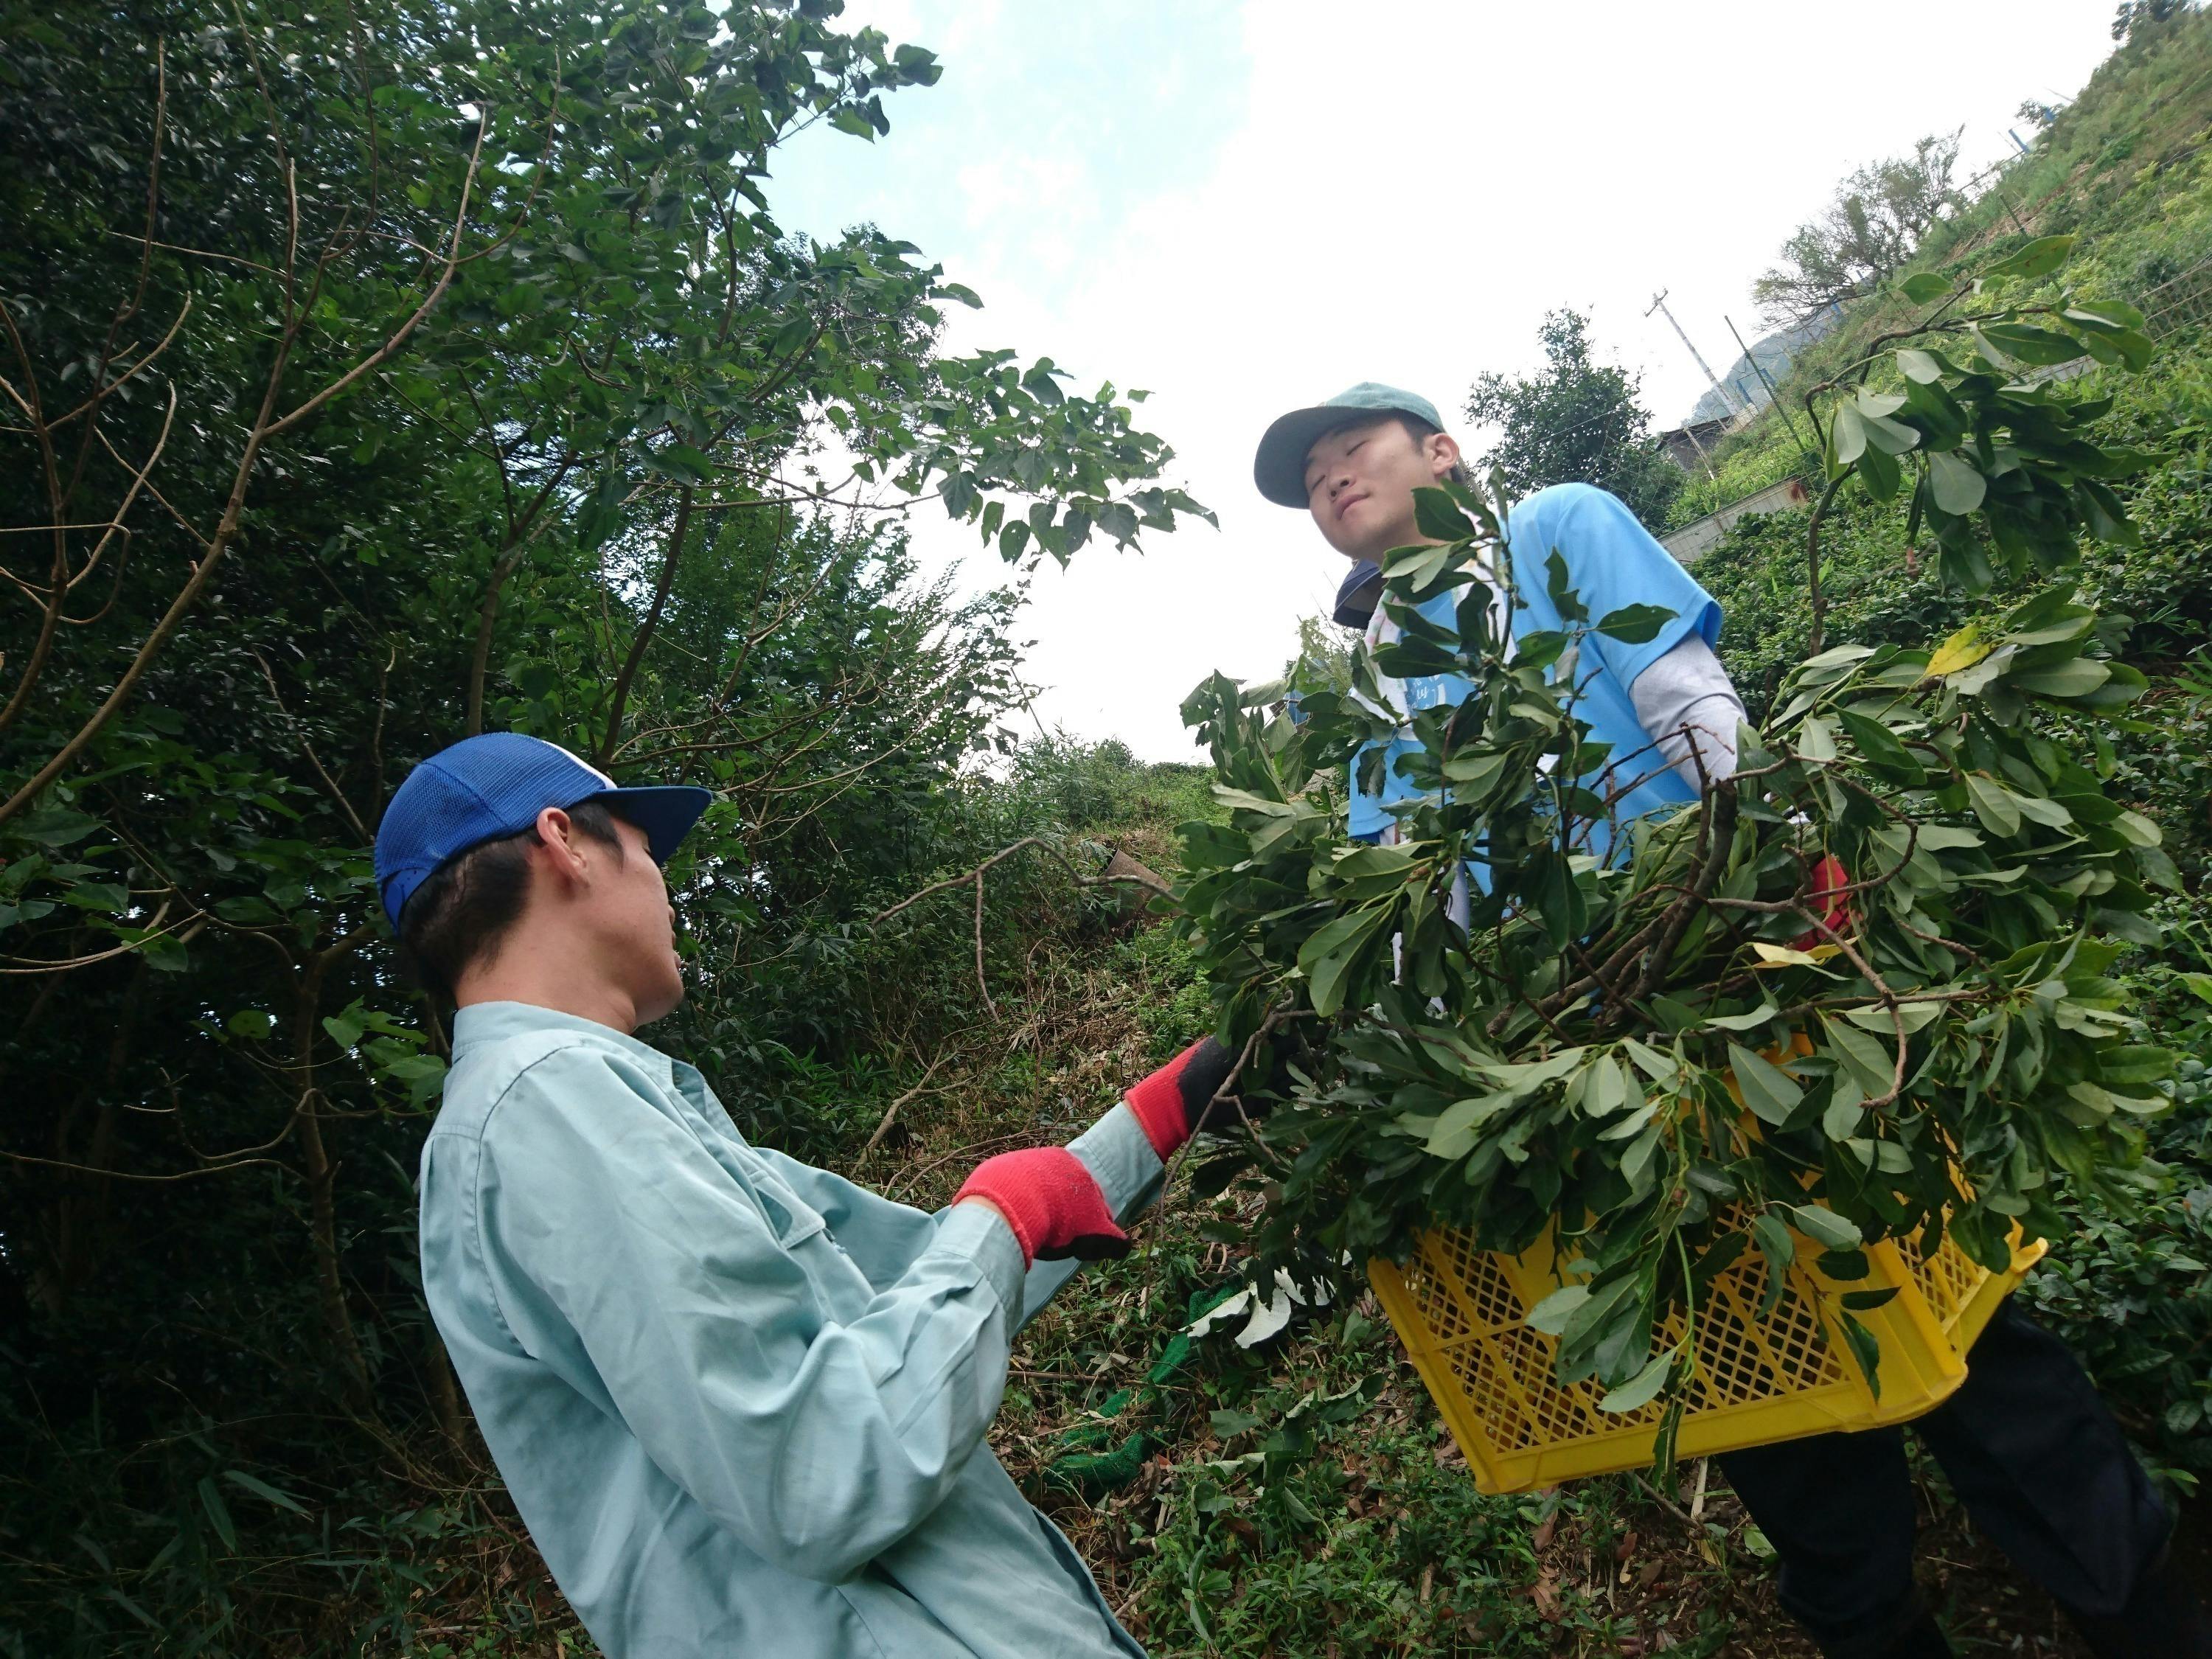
(2137, 19)
(1868, 231)
(370, 376)
(1575, 420)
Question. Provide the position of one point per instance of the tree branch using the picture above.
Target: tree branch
(616, 702)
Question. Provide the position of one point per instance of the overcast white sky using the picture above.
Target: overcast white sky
(1244, 208)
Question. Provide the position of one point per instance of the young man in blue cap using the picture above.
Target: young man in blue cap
(2028, 1446)
(739, 1401)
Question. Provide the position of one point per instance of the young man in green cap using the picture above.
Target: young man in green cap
(1666, 706)
(2029, 1448)
(739, 1401)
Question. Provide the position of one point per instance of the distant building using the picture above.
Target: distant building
(1687, 446)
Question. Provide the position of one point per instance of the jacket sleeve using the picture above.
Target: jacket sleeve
(1128, 1171)
(883, 1236)
(1689, 706)
(610, 1225)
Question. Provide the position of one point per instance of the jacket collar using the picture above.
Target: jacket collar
(489, 1022)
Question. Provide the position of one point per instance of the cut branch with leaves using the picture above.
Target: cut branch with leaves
(1858, 991)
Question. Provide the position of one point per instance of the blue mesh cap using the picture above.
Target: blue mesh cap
(485, 788)
(1279, 467)
(1357, 594)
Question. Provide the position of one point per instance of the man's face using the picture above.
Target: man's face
(633, 925)
(1360, 481)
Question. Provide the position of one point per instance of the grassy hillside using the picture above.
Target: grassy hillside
(2123, 166)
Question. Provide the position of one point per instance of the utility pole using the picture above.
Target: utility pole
(1659, 305)
(1774, 396)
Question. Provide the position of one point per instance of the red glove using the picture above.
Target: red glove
(1172, 1102)
(1051, 1201)
(1831, 891)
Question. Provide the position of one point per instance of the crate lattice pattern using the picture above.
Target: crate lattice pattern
(1475, 1318)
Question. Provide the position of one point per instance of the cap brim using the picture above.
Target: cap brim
(665, 811)
(1279, 467)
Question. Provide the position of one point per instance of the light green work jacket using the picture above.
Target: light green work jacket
(739, 1401)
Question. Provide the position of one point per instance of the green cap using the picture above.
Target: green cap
(1279, 468)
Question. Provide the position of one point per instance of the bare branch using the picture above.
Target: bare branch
(882, 1126)
(389, 349)
(620, 697)
(330, 783)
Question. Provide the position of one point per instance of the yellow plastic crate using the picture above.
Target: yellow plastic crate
(1463, 1314)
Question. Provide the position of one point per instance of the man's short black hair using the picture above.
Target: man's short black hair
(464, 907)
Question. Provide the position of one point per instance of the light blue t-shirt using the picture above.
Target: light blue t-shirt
(1612, 562)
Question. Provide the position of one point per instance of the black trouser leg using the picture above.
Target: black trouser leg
(2034, 1454)
(1838, 1508)
(2043, 1470)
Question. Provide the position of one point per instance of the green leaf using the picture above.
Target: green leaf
(1639, 1389)
(263, 1491)
(1848, 1266)
(2027, 344)
(1606, 1086)
(1771, 1093)
(1865, 1349)
(1550, 1316)
(1883, 1022)
(1750, 1022)
(1924, 287)
(1880, 473)
(1561, 589)
(1780, 1250)
(682, 463)
(1659, 1066)
(1920, 366)
(2117, 313)
(1453, 1135)
(2039, 259)
(2077, 678)
(1994, 806)
(1824, 1226)
(1865, 1301)
(1882, 748)
(1874, 409)
(1635, 624)
(1957, 486)
(1329, 956)
(56, 826)
(1845, 1110)
(218, 1514)
(106, 897)
(1847, 434)
(1872, 1063)
(1435, 513)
